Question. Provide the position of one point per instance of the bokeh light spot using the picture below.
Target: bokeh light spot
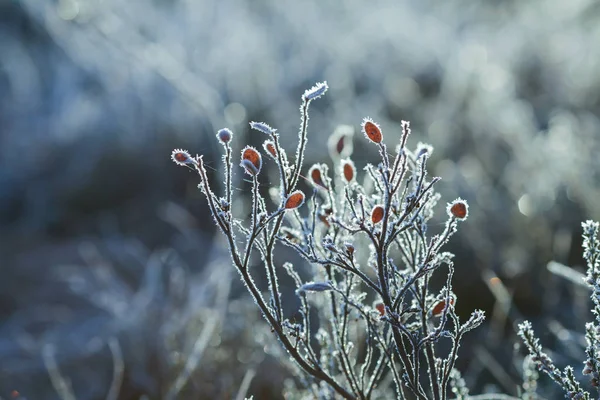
(525, 205)
(235, 113)
(67, 9)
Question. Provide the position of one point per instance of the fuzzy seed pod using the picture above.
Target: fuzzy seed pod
(348, 170)
(294, 200)
(372, 131)
(439, 307)
(251, 160)
(316, 176)
(269, 147)
(224, 135)
(377, 214)
(458, 209)
(340, 143)
(182, 157)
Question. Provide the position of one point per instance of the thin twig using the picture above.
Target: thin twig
(61, 384)
(118, 368)
(195, 356)
(246, 381)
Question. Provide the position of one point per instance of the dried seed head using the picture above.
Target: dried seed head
(316, 91)
(458, 209)
(377, 214)
(182, 157)
(294, 200)
(269, 147)
(405, 127)
(251, 160)
(224, 135)
(224, 204)
(440, 306)
(381, 308)
(313, 287)
(316, 176)
(423, 149)
(262, 127)
(348, 170)
(262, 217)
(372, 131)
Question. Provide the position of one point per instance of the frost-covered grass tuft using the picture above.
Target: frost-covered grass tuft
(566, 378)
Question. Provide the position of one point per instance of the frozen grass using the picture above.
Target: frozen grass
(371, 324)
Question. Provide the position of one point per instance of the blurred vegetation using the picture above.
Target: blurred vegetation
(94, 95)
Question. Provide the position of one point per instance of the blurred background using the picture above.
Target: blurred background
(114, 284)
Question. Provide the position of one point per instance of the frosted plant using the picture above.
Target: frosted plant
(369, 319)
(566, 378)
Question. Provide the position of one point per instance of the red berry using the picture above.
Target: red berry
(251, 160)
(372, 131)
(439, 307)
(377, 214)
(458, 209)
(348, 170)
(294, 200)
(317, 176)
(181, 157)
(270, 148)
(224, 135)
